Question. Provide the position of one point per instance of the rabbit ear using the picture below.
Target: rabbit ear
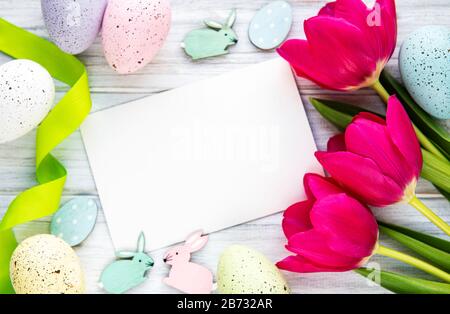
(141, 243)
(198, 244)
(125, 254)
(194, 236)
(213, 24)
(231, 18)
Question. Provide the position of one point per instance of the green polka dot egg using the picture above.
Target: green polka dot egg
(242, 270)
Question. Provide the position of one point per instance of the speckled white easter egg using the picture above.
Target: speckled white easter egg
(271, 25)
(73, 25)
(242, 270)
(74, 221)
(425, 67)
(45, 264)
(26, 96)
(134, 31)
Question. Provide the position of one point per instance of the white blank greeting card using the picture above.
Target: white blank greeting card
(209, 155)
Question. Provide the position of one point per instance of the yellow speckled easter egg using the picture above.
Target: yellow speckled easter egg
(45, 264)
(242, 270)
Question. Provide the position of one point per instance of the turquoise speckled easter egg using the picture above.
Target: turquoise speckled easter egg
(425, 68)
(75, 220)
(242, 270)
(271, 25)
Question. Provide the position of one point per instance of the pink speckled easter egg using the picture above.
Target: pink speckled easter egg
(134, 31)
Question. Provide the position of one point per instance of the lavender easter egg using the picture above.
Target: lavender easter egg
(134, 31)
(27, 92)
(73, 25)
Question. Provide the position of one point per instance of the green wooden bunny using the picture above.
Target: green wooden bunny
(212, 41)
(122, 275)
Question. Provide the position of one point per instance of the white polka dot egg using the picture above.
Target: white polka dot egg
(45, 264)
(26, 96)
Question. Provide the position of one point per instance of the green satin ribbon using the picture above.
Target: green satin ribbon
(43, 200)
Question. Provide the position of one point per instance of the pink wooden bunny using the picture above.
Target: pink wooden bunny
(184, 275)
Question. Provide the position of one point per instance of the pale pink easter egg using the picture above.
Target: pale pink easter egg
(134, 31)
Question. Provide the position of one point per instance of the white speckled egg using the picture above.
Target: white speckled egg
(134, 31)
(73, 25)
(242, 270)
(425, 67)
(26, 96)
(45, 264)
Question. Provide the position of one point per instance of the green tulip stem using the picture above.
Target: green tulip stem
(381, 91)
(424, 210)
(423, 140)
(419, 264)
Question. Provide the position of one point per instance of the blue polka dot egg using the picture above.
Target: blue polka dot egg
(425, 69)
(271, 25)
(74, 221)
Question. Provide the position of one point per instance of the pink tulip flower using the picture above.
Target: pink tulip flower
(379, 161)
(333, 232)
(329, 232)
(347, 44)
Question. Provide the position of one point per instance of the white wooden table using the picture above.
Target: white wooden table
(171, 69)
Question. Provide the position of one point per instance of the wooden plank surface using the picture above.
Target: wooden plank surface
(170, 69)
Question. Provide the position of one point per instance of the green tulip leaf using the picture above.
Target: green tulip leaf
(426, 123)
(436, 171)
(404, 284)
(443, 192)
(338, 113)
(437, 163)
(435, 242)
(437, 257)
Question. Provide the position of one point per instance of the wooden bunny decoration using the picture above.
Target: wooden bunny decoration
(122, 275)
(184, 275)
(212, 41)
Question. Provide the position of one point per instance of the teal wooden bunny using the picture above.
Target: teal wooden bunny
(122, 275)
(212, 41)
